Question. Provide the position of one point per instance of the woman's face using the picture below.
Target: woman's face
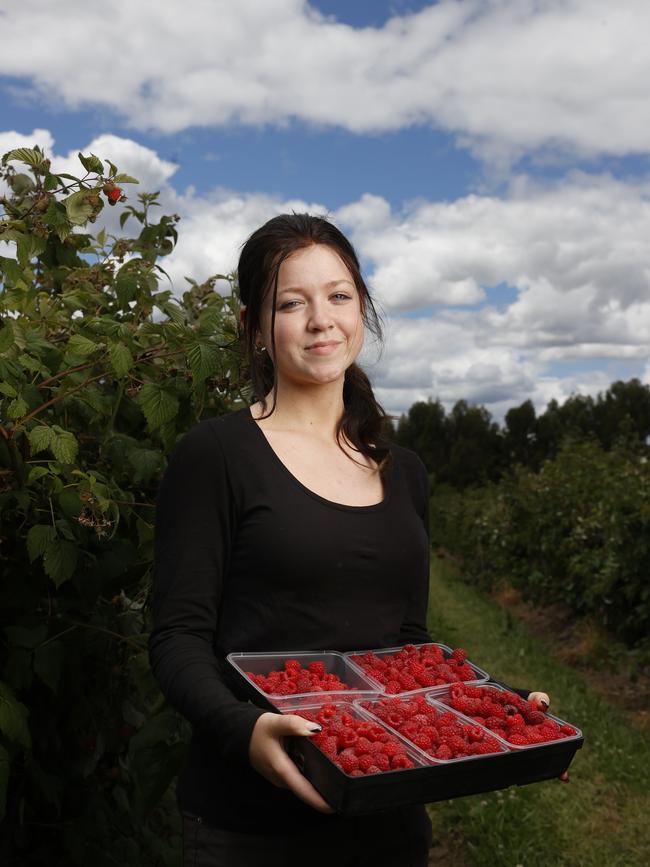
(318, 319)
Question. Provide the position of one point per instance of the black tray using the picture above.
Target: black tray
(437, 782)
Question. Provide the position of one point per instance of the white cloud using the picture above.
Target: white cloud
(574, 254)
(506, 76)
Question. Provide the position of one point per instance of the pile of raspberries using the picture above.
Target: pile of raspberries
(442, 735)
(507, 714)
(295, 679)
(414, 668)
(359, 747)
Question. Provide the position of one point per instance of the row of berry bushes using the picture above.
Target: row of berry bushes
(102, 369)
(576, 532)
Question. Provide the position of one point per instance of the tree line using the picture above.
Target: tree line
(465, 447)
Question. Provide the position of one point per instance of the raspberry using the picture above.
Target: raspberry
(484, 748)
(113, 194)
(365, 762)
(422, 741)
(382, 761)
(519, 739)
(317, 668)
(393, 687)
(567, 730)
(459, 655)
(408, 682)
(401, 761)
(443, 752)
(362, 746)
(373, 769)
(348, 762)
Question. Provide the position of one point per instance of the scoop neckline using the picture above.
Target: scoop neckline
(373, 507)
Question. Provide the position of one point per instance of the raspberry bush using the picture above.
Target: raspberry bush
(102, 368)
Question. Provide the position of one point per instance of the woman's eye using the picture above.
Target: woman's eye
(341, 296)
(288, 305)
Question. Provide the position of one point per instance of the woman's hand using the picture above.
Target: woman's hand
(542, 701)
(268, 757)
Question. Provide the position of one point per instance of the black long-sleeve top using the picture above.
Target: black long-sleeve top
(248, 559)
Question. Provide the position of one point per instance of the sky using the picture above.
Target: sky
(489, 160)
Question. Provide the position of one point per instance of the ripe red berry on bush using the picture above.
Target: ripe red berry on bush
(441, 735)
(295, 679)
(507, 714)
(359, 747)
(113, 194)
(416, 667)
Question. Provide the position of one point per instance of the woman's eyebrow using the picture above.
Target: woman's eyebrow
(330, 285)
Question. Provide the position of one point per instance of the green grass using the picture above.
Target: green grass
(601, 816)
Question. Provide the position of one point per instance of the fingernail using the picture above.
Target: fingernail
(316, 728)
(565, 777)
(543, 703)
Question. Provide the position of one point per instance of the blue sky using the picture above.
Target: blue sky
(488, 158)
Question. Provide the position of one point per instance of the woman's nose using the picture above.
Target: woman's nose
(319, 317)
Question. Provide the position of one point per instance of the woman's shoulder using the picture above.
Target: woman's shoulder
(205, 435)
(407, 458)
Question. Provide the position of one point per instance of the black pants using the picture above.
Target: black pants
(399, 838)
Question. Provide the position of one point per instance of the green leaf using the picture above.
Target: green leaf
(203, 358)
(60, 560)
(40, 438)
(12, 269)
(82, 205)
(30, 156)
(7, 389)
(17, 408)
(28, 246)
(91, 163)
(38, 538)
(4, 780)
(56, 217)
(101, 237)
(13, 718)
(124, 216)
(64, 446)
(113, 168)
(48, 663)
(36, 473)
(80, 345)
(157, 404)
(145, 462)
(125, 179)
(121, 358)
(23, 636)
(32, 364)
(6, 337)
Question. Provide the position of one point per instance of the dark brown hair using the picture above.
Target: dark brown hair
(364, 422)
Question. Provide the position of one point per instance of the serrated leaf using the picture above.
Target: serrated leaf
(91, 163)
(13, 718)
(40, 438)
(175, 312)
(203, 358)
(121, 358)
(36, 473)
(157, 404)
(6, 337)
(82, 205)
(124, 216)
(80, 345)
(48, 663)
(59, 560)
(32, 364)
(7, 389)
(56, 217)
(101, 237)
(113, 168)
(12, 269)
(124, 179)
(17, 408)
(38, 538)
(64, 446)
(28, 246)
(30, 156)
(145, 462)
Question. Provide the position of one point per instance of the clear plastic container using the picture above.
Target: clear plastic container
(480, 675)
(442, 700)
(334, 662)
(425, 757)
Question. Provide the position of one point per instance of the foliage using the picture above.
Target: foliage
(466, 448)
(102, 368)
(577, 532)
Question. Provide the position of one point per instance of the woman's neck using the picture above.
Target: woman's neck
(316, 410)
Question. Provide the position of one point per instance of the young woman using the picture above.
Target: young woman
(290, 525)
